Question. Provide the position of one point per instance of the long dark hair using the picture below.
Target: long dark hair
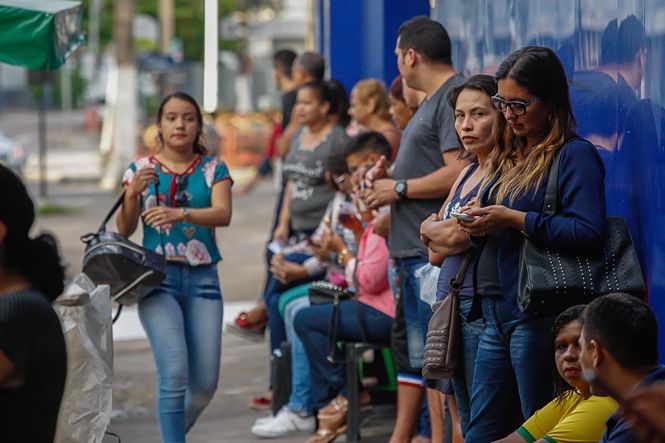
(35, 259)
(341, 105)
(515, 169)
(561, 388)
(481, 82)
(199, 142)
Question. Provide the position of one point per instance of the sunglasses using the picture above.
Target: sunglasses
(181, 197)
(517, 107)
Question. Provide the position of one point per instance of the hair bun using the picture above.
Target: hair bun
(38, 260)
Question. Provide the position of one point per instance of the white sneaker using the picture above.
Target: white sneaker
(284, 423)
(262, 420)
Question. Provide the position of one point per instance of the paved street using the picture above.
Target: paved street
(244, 364)
(80, 207)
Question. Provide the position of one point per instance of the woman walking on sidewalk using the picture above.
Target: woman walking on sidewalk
(182, 195)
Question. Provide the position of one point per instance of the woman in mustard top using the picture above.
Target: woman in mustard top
(574, 416)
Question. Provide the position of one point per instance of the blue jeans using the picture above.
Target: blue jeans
(416, 312)
(513, 373)
(463, 380)
(300, 399)
(273, 291)
(402, 271)
(183, 321)
(311, 325)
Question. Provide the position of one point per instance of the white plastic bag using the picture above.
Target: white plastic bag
(428, 277)
(85, 314)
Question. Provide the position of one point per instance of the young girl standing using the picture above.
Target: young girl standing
(182, 195)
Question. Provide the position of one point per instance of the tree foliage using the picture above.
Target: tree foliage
(189, 17)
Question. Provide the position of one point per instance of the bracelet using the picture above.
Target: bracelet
(342, 256)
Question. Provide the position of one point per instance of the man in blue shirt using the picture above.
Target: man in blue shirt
(619, 346)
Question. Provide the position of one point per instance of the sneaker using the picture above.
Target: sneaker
(243, 328)
(284, 423)
(262, 420)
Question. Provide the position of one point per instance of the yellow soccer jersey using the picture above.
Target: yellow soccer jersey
(575, 420)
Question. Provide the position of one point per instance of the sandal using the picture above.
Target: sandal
(261, 403)
(334, 412)
(327, 435)
(243, 328)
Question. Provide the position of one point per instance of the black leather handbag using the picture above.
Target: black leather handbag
(130, 270)
(322, 292)
(551, 280)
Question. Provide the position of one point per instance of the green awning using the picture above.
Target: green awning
(39, 35)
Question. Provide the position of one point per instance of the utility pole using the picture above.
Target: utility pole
(122, 96)
(166, 25)
(210, 56)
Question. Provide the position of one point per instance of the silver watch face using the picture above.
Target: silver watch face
(400, 187)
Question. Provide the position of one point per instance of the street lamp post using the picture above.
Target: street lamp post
(210, 56)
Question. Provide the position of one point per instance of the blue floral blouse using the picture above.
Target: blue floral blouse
(184, 242)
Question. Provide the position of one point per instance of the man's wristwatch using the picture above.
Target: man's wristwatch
(401, 188)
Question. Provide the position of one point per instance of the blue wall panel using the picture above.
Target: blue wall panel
(362, 36)
(614, 56)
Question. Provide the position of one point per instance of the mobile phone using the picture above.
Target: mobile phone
(462, 216)
(344, 217)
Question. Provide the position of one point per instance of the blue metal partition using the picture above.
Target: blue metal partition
(614, 56)
(358, 37)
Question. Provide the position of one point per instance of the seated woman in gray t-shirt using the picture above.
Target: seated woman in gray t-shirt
(306, 192)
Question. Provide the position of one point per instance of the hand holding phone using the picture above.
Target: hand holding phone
(462, 216)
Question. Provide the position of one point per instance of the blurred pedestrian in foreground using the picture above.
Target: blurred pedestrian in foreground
(33, 358)
(182, 195)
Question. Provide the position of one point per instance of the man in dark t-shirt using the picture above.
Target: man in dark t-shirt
(425, 169)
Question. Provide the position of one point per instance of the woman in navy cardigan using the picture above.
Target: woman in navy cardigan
(513, 375)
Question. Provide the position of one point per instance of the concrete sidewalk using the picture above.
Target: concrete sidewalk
(244, 371)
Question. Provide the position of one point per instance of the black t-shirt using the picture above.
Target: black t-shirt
(32, 339)
(288, 102)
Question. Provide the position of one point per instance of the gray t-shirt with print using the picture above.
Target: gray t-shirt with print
(429, 134)
(305, 169)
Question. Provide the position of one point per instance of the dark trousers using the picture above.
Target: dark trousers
(312, 326)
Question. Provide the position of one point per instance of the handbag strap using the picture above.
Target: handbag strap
(116, 206)
(456, 283)
(161, 233)
(551, 192)
(361, 320)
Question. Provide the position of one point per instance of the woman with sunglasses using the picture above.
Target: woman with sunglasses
(511, 376)
(182, 195)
